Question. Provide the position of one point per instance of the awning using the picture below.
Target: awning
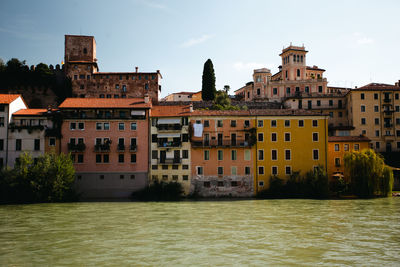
(167, 135)
(138, 113)
(169, 121)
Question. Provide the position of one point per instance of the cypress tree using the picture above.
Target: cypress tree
(208, 90)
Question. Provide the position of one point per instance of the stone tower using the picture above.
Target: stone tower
(294, 63)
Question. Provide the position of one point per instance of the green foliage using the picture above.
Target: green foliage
(208, 90)
(49, 179)
(222, 102)
(369, 176)
(160, 191)
(314, 184)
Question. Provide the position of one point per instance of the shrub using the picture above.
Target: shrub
(160, 191)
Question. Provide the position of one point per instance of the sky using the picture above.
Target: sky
(356, 42)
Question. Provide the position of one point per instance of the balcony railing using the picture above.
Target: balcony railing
(169, 144)
(169, 161)
(388, 112)
(132, 148)
(102, 148)
(388, 125)
(387, 100)
(169, 127)
(76, 147)
(121, 147)
(222, 143)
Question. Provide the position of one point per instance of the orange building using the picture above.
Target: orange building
(338, 146)
(109, 142)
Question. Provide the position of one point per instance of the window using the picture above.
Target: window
(261, 170)
(133, 158)
(234, 170)
(309, 104)
(247, 170)
(287, 123)
(273, 123)
(220, 155)
(81, 126)
(133, 126)
(18, 144)
(258, 91)
(362, 108)
(260, 137)
(106, 158)
(356, 147)
(331, 114)
(318, 103)
(336, 147)
(298, 72)
(376, 121)
(273, 137)
(246, 123)
(377, 145)
(260, 123)
(206, 123)
(301, 123)
(274, 170)
(375, 96)
(247, 154)
(233, 155)
(363, 122)
(72, 126)
(206, 154)
(287, 137)
(288, 170)
(154, 167)
(288, 154)
(315, 123)
(233, 123)
(185, 177)
(376, 108)
(121, 126)
(275, 91)
(260, 154)
(52, 141)
(220, 170)
(219, 123)
(307, 89)
(121, 158)
(185, 154)
(1, 121)
(185, 138)
(315, 137)
(362, 96)
(37, 144)
(320, 89)
(346, 147)
(98, 158)
(154, 154)
(315, 154)
(377, 133)
(99, 126)
(185, 167)
(330, 102)
(340, 114)
(274, 154)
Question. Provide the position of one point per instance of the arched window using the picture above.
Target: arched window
(294, 58)
(301, 58)
(85, 51)
(298, 58)
(298, 72)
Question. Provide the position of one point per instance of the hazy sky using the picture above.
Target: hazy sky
(357, 42)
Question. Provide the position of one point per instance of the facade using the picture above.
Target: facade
(183, 96)
(338, 146)
(374, 111)
(28, 133)
(9, 103)
(294, 77)
(81, 66)
(170, 146)
(288, 141)
(108, 142)
(222, 153)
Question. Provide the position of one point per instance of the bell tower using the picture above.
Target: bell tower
(294, 63)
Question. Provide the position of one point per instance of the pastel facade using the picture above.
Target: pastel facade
(223, 155)
(108, 142)
(81, 66)
(183, 97)
(338, 146)
(9, 104)
(170, 145)
(288, 142)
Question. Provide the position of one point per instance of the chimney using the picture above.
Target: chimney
(137, 68)
(191, 108)
(146, 98)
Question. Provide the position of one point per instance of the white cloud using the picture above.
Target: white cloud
(196, 41)
(362, 39)
(248, 66)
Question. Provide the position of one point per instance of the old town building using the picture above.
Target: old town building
(81, 66)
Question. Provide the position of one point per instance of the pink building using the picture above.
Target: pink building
(108, 142)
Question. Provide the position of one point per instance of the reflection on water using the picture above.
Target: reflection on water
(251, 232)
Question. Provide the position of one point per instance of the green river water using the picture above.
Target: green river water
(204, 233)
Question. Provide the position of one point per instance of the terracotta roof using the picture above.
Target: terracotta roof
(377, 87)
(359, 138)
(314, 68)
(104, 103)
(170, 111)
(31, 112)
(8, 98)
(256, 112)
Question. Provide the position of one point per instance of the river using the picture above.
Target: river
(203, 233)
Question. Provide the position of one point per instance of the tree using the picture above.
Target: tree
(208, 90)
(369, 176)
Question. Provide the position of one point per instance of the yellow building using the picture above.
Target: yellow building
(338, 146)
(288, 141)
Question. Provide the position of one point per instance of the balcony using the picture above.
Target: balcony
(388, 125)
(121, 147)
(389, 137)
(387, 100)
(102, 148)
(169, 127)
(388, 112)
(168, 144)
(222, 143)
(169, 161)
(132, 148)
(76, 147)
